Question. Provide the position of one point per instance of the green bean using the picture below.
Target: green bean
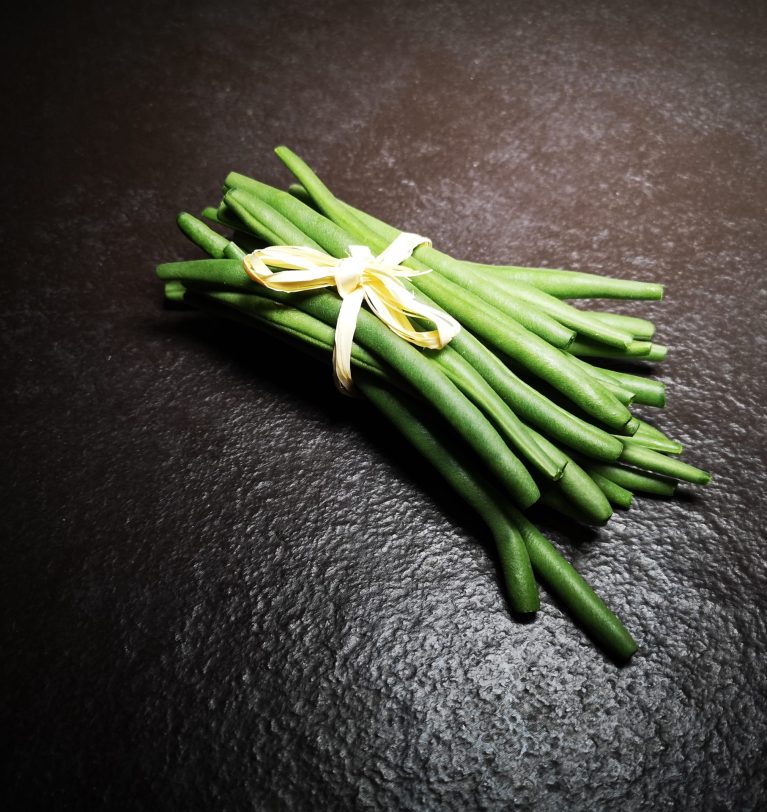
(332, 238)
(598, 621)
(624, 394)
(244, 237)
(461, 373)
(617, 495)
(294, 324)
(641, 329)
(174, 291)
(521, 306)
(227, 217)
(210, 241)
(514, 536)
(289, 323)
(211, 213)
(660, 464)
(533, 318)
(528, 350)
(313, 224)
(535, 408)
(234, 201)
(633, 480)
(629, 430)
(470, 315)
(574, 592)
(648, 430)
(292, 241)
(518, 312)
(298, 191)
(636, 351)
(233, 251)
(511, 547)
(250, 209)
(657, 352)
(300, 325)
(531, 405)
(551, 567)
(224, 216)
(535, 311)
(225, 273)
(642, 390)
(654, 443)
(216, 246)
(557, 501)
(574, 284)
(490, 315)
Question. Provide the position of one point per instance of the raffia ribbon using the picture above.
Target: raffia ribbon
(358, 277)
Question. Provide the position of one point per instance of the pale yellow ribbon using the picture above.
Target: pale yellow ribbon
(358, 277)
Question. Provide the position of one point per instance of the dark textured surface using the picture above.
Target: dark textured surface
(222, 588)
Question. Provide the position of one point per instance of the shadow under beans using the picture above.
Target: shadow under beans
(685, 495)
(289, 370)
(569, 530)
(259, 356)
(256, 355)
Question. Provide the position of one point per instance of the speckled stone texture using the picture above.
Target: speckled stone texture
(224, 586)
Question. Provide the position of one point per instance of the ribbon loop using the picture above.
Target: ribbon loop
(357, 278)
(401, 248)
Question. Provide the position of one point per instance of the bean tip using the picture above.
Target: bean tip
(283, 152)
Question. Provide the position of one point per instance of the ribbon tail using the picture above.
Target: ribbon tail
(395, 306)
(344, 337)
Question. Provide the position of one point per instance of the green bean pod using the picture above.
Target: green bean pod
(575, 284)
(660, 464)
(636, 351)
(641, 329)
(572, 589)
(633, 480)
(615, 493)
(654, 443)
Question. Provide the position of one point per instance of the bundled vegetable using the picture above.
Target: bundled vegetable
(482, 368)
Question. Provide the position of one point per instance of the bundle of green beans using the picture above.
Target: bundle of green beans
(509, 412)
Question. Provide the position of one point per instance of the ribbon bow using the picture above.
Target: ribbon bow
(358, 277)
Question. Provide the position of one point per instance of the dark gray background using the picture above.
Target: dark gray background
(223, 586)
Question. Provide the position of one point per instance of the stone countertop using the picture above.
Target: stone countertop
(224, 586)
